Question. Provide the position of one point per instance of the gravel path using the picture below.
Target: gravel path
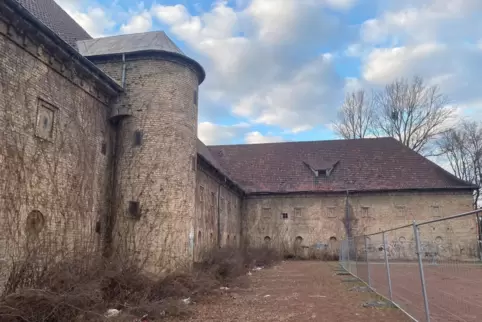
(294, 291)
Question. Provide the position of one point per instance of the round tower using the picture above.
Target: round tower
(154, 147)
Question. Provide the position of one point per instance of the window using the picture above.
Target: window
(266, 213)
(193, 163)
(436, 211)
(400, 211)
(284, 215)
(365, 212)
(196, 97)
(201, 194)
(35, 223)
(331, 212)
(221, 205)
(213, 199)
(103, 148)
(134, 209)
(97, 227)
(298, 212)
(45, 121)
(229, 208)
(138, 135)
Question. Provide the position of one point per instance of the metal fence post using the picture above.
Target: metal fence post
(420, 267)
(388, 268)
(368, 265)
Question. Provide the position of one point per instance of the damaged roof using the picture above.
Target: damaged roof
(377, 164)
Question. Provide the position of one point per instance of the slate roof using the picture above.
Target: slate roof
(155, 40)
(54, 17)
(379, 164)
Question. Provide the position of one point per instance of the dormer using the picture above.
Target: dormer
(321, 168)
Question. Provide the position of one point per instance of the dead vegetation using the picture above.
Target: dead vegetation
(84, 288)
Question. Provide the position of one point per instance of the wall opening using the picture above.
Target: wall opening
(227, 240)
(199, 237)
(284, 215)
(234, 240)
(267, 241)
(35, 223)
(298, 240)
(134, 209)
(333, 239)
(138, 138)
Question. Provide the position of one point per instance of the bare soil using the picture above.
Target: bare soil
(294, 291)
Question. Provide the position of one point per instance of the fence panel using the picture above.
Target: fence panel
(432, 270)
(452, 268)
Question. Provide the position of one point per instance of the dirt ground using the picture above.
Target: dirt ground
(294, 291)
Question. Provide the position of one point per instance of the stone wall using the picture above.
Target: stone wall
(319, 219)
(215, 203)
(54, 150)
(155, 161)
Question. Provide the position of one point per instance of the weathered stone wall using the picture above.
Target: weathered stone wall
(215, 203)
(54, 151)
(156, 161)
(319, 219)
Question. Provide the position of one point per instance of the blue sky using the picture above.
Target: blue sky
(277, 70)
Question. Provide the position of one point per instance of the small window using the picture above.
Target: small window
(267, 240)
(400, 211)
(213, 199)
(436, 211)
(229, 208)
(103, 148)
(201, 194)
(138, 138)
(331, 212)
(196, 97)
(284, 215)
(134, 209)
(193, 163)
(97, 227)
(221, 205)
(365, 212)
(35, 223)
(298, 212)
(266, 213)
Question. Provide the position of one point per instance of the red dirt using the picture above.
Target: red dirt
(294, 291)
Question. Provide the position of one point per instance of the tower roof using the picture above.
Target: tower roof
(123, 44)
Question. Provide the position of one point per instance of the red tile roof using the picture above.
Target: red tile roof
(364, 165)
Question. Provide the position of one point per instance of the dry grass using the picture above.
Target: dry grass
(84, 288)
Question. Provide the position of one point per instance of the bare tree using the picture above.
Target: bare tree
(355, 117)
(412, 112)
(462, 147)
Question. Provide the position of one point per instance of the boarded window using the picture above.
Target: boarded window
(400, 211)
(298, 212)
(436, 211)
(365, 212)
(45, 121)
(266, 213)
(331, 212)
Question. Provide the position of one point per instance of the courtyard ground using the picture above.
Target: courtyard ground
(294, 291)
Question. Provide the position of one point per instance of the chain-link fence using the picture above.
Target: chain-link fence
(431, 270)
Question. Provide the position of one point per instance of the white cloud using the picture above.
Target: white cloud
(211, 133)
(257, 137)
(254, 58)
(141, 22)
(93, 19)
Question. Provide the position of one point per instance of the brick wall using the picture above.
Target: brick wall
(215, 202)
(319, 218)
(156, 161)
(53, 169)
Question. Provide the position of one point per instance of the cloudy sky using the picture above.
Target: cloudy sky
(277, 70)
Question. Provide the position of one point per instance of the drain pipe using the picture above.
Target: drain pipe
(123, 70)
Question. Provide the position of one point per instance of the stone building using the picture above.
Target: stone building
(99, 152)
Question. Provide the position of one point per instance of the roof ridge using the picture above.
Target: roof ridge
(310, 141)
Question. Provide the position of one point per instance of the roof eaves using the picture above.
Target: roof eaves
(64, 45)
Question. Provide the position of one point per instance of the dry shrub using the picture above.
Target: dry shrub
(83, 288)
